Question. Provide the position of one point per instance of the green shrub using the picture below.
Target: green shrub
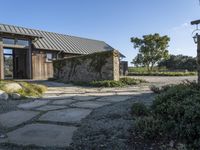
(106, 83)
(148, 128)
(175, 115)
(111, 83)
(158, 90)
(132, 81)
(139, 109)
(155, 89)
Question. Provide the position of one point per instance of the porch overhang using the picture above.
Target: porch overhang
(14, 35)
(19, 35)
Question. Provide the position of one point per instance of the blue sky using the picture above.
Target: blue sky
(113, 21)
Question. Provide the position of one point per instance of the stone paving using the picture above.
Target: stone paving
(42, 135)
(52, 120)
(14, 118)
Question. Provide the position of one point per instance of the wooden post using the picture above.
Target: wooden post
(29, 61)
(198, 58)
(1, 60)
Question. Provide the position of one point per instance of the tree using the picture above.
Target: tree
(152, 49)
(137, 61)
(179, 62)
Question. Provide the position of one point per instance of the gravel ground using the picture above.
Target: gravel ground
(165, 80)
(108, 128)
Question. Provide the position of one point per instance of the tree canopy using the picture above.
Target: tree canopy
(180, 62)
(152, 49)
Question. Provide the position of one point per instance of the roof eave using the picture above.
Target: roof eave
(20, 34)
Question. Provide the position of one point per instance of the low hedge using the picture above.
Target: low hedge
(174, 118)
(162, 73)
(111, 83)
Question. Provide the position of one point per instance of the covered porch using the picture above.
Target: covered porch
(16, 55)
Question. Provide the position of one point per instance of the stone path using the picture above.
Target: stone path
(52, 120)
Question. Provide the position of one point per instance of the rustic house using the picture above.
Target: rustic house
(28, 53)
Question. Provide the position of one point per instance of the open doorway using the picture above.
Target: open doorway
(15, 64)
(8, 63)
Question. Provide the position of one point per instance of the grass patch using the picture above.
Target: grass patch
(162, 73)
(28, 89)
(31, 90)
(173, 118)
(157, 71)
(144, 69)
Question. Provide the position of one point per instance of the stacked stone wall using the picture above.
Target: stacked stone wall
(85, 68)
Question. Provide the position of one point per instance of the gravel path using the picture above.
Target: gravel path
(107, 128)
(165, 80)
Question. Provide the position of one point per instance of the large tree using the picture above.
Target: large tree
(152, 49)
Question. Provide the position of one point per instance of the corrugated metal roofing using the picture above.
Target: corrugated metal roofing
(60, 42)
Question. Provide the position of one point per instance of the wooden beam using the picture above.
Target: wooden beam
(19, 35)
(198, 58)
(15, 46)
(1, 60)
(29, 60)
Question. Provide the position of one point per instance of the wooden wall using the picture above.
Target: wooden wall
(41, 69)
(1, 60)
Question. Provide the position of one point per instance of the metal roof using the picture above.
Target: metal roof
(60, 42)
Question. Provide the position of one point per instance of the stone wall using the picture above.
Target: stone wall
(96, 66)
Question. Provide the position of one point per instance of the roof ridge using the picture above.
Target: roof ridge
(41, 30)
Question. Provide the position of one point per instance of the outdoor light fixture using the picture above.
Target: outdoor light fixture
(195, 38)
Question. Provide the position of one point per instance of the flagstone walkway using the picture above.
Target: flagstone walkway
(52, 120)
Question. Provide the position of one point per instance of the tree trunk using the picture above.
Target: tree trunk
(198, 58)
(152, 65)
(148, 68)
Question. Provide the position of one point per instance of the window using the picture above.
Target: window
(8, 41)
(22, 42)
(15, 42)
(7, 51)
(49, 57)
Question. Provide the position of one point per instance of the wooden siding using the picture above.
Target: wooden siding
(41, 69)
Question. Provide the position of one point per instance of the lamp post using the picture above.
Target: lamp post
(197, 41)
